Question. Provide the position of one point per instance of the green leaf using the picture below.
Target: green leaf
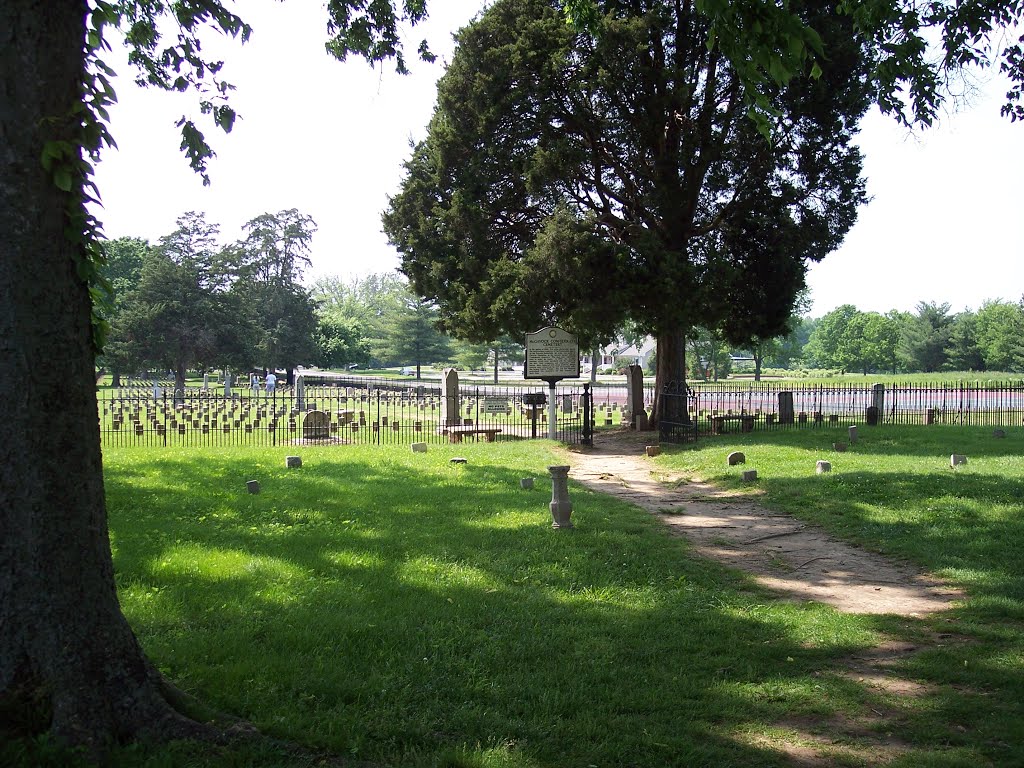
(62, 178)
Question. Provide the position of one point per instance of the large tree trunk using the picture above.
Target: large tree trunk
(65, 647)
(671, 359)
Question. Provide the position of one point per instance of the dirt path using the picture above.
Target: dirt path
(784, 554)
(798, 561)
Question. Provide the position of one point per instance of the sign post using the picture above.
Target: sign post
(552, 354)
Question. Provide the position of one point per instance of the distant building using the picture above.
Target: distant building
(620, 354)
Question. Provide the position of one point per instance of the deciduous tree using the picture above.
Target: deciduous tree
(1000, 335)
(182, 313)
(66, 652)
(121, 271)
(268, 265)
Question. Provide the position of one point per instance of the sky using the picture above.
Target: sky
(329, 138)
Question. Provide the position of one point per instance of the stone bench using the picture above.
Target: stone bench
(718, 423)
(455, 434)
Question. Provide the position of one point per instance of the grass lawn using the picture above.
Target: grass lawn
(395, 608)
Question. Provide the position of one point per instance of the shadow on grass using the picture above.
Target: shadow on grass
(398, 612)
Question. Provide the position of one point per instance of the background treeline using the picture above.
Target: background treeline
(930, 339)
(190, 302)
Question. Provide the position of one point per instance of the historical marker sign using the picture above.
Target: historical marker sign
(552, 354)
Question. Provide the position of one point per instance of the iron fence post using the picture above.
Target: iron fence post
(588, 416)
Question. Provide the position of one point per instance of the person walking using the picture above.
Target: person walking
(271, 382)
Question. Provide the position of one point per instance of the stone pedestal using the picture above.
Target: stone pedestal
(878, 397)
(561, 507)
(635, 395)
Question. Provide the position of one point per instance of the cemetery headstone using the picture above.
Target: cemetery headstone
(736, 457)
(822, 467)
(852, 432)
(749, 475)
(653, 450)
(786, 412)
(253, 486)
(957, 459)
(419, 447)
(526, 483)
(316, 425)
(293, 462)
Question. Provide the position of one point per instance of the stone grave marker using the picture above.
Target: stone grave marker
(316, 425)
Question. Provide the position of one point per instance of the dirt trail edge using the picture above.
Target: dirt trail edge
(781, 552)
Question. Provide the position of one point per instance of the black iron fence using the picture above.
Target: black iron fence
(360, 410)
(719, 408)
(355, 411)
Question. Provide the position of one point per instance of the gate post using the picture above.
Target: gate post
(588, 416)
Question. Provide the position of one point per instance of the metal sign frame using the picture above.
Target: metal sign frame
(552, 354)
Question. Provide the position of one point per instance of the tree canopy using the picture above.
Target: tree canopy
(588, 179)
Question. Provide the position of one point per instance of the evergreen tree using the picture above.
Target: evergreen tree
(962, 351)
(410, 334)
(926, 337)
(585, 180)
